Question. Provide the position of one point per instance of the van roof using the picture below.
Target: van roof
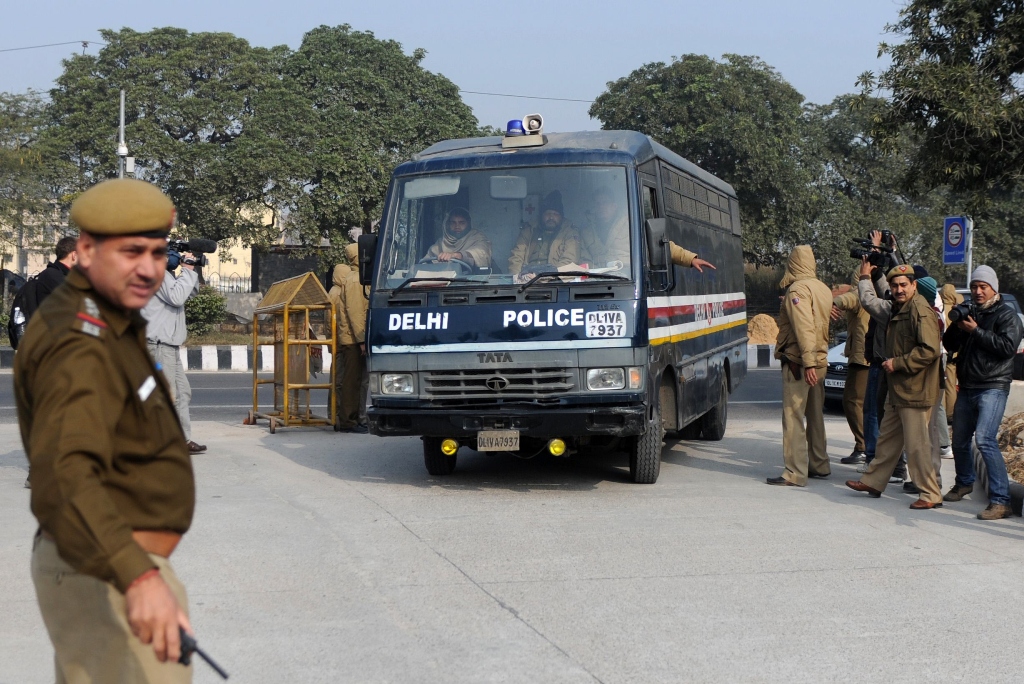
(607, 146)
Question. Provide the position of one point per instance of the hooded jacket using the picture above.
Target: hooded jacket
(474, 246)
(950, 298)
(349, 305)
(804, 316)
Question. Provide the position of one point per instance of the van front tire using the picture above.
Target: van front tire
(438, 464)
(645, 450)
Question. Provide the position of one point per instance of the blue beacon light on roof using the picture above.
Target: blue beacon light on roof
(515, 127)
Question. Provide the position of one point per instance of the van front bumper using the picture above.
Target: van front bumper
(541, 422)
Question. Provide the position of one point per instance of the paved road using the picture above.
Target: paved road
(318, 557)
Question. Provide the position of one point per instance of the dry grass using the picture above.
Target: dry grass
(224, 338)
(1011, 443)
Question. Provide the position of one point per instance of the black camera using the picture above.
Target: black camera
(196, 246)
(962, 311)
(876, 254)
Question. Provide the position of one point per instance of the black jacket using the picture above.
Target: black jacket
(49, 279)
(985, 357)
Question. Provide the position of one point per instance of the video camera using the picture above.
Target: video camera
(876, 254)
(195, 246)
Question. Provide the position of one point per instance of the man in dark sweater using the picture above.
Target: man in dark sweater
(53, 275)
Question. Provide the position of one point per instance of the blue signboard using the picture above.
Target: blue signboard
(954, 240)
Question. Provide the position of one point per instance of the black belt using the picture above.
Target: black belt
(174, 346)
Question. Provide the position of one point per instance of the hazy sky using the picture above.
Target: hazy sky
(522, 47)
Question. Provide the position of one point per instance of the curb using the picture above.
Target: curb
(233, 357)
(762, 356)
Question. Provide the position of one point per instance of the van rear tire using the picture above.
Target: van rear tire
(437, 463)
(645, 450)
(713, 422)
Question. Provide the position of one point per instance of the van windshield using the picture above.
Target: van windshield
(506, 226)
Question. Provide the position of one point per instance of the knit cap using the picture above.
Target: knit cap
(927, 288)
(986, 274)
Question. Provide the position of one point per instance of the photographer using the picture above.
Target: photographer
(166, 332)
(984, 335)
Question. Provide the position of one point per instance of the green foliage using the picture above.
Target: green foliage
(955, 80)
(370, 107)
(22, 188)
(204, 310)
(737, 118)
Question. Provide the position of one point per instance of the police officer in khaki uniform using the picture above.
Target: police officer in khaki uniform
(857, 320)
(350, 378)
(112, 483)
(687, 259)
(913, 347)
(802, 346)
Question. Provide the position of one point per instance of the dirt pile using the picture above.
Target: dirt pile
(1011, 443)
(762, 329)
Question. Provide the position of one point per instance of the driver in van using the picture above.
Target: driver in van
(554, 241)
(607, 240)
(460, 241)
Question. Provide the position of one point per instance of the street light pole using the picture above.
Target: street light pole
(122, 149)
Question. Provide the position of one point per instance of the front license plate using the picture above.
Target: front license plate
(606, 324)
(841, 384)
(497, 440)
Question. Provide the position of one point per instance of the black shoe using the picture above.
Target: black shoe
(820, 476)
(911, 488)
(356, 429)
(781, 482)
(854, 458)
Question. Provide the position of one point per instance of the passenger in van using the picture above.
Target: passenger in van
(461, 241)
(607, 240)
(554, 241)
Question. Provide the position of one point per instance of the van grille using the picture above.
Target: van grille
(486, 384)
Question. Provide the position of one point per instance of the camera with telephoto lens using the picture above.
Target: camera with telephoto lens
(962, 311)
(875, 254)
(197, 247)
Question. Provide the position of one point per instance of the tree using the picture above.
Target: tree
(737, 118)
(956, 82)
(23, 193)
(371, 107)
(207, 118)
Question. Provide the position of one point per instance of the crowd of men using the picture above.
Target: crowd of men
(918, 355)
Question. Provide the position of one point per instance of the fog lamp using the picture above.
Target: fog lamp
(449, 447)
(556, 447)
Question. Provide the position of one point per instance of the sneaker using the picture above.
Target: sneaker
(194, 448)
(995, 512)
(863, 468)
(898, 476)
(855, 457)
(947, 452)
(28, 485)
(958, 492)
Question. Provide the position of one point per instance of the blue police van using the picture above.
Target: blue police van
(522, 298)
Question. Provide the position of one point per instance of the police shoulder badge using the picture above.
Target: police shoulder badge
(89, 321)
(795, 300)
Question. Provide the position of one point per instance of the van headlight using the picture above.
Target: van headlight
(606, 379)
(396, 383)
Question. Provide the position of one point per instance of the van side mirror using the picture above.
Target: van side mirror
(658, 252)
(367, 255)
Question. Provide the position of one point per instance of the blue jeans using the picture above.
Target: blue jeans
(871, 412)
(976, 416)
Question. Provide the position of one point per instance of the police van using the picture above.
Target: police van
(523, 299)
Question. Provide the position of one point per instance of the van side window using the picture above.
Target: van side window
(651, 203)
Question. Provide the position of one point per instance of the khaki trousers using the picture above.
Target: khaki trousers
(909, 429)
(853, 401)
(88, 625)
(949, 398)
(350, 382)
(803, 446)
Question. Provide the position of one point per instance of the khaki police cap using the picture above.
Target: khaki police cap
(124, 206)
(901, 270)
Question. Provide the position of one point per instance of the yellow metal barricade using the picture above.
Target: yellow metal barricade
(291, 303)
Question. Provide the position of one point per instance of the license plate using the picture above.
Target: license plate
(841, 384)
(497, 440)
(606, 324)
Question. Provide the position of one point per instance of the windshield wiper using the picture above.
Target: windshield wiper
(438, 279)
(559, 274)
